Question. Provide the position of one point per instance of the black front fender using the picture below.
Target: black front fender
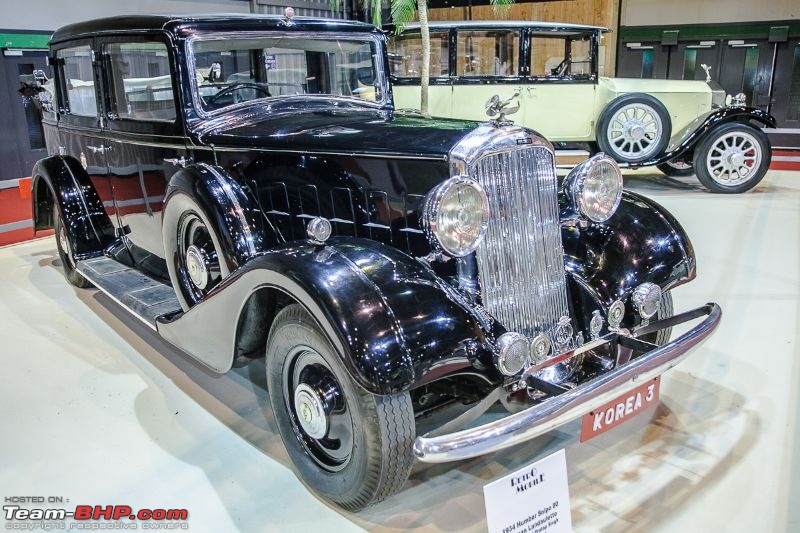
(685, 140)
(641, 243)
(395, 324)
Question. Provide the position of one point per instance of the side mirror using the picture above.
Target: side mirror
(34, 87)
(40, 76)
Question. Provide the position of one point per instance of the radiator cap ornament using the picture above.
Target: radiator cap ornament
(495, 107)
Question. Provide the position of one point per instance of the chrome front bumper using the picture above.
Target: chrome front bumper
(559, 410)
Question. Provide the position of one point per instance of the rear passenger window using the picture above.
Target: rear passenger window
(79, 81)
(487, 53)
(405, 55)
(141, 84)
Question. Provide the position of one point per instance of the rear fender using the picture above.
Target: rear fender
(61, 180)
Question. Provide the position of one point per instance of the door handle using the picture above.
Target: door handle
(99, 149)
(177, 161)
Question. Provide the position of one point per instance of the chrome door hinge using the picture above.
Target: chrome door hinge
(99, 149)
(178, 161)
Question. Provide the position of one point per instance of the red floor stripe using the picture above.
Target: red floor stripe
(784, 165)
(12, 207)
(21, 235)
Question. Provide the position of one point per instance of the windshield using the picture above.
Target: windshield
(234, 70)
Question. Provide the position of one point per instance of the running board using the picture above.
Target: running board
(144, 297)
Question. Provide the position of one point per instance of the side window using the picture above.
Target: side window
(140, 81)
(78, 76)
(405, 55)
(549, 57)
(487, 53)
(581, 63)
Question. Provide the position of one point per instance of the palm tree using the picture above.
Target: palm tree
(375, 6)
(403, 12)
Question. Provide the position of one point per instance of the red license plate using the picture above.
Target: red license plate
(620, 409)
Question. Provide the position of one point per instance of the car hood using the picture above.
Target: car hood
(345, 132)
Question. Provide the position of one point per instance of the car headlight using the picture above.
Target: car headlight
(455, 216)
(595, 187)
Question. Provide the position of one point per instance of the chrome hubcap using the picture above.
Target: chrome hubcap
(733, 158)
(634, 131)
(310, 411)
(197, 265)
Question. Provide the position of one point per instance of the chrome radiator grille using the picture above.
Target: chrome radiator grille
(520, 261)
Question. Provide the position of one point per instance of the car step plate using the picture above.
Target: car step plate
(143, 296)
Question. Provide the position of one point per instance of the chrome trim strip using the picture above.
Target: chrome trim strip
(550, 414)
(238, 212)
(381, 155)
(495, 24)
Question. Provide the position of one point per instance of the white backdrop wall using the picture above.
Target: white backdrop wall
(52, 14)
(667, 12)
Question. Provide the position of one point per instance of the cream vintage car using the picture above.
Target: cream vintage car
(684, 127)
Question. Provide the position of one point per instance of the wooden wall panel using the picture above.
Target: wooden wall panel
(594, 12)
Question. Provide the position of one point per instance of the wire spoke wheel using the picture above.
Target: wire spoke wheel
(733, 158)
(635, 129)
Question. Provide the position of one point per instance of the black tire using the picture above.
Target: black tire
(665, 310)
(642, 109)
(677, 169)
(378, 461)
(711, 151)
(65, 253)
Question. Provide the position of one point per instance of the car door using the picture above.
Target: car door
(487, 63)
(146, 138)
(79, 114)
(560, 93)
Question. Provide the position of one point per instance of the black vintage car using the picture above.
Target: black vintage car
(243, 186)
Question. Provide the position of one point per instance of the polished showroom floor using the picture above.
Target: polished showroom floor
(98, 410)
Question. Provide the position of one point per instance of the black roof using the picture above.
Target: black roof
(222, 21)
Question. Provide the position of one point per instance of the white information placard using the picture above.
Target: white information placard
(534, 499)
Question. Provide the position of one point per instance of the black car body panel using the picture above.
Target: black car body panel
(215, 208)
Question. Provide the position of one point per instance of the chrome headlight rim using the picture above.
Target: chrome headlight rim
(575, 183)
(431, 211)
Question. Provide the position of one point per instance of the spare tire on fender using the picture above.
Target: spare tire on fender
(633, 128)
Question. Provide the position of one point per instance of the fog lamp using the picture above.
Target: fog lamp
(647, 299)
(318, 229)
(511, 353)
